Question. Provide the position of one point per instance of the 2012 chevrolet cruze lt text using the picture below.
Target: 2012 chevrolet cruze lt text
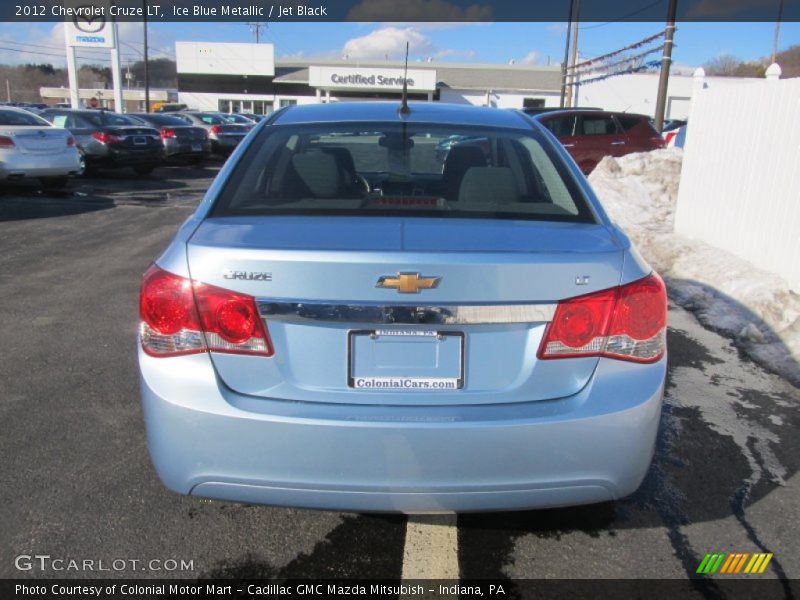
(352, 320)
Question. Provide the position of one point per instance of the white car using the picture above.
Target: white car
(30, 147)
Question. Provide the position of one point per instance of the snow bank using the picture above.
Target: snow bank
(754, 307)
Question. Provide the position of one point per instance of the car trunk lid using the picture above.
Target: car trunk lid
(39, 140)
(316, 281)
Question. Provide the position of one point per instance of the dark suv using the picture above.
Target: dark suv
(110, 140)
(589, 135)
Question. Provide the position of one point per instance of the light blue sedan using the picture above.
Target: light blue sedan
(347, 323)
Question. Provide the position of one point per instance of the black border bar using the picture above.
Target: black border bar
(404, 12)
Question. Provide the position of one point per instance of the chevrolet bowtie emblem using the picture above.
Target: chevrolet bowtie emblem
(408, 283)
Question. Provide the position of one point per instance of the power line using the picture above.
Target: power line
(48, 47)
(622, 18)
(59, 55)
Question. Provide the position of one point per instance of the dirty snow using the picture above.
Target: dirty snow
(754, 307)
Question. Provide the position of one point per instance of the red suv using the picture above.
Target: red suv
(589, 135)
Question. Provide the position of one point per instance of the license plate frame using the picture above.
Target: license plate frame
(197, 147)
(408, 383)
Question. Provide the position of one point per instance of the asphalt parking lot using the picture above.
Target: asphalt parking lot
(77, 480)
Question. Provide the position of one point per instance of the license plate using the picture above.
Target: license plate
(140, 141)
(405, 360)
(197, 147)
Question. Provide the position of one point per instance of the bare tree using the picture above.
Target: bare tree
(723, 65)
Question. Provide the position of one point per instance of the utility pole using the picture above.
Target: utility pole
(777, 38)
(666, 63)
(146, 67)
(573, 75)
(566, 55)
(256, 28)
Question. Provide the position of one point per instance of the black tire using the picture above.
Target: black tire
(143, 169)
(54, 183)
(83, 167)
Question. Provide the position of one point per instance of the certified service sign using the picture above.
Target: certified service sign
(88, 25)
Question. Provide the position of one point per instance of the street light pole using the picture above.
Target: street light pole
(146, 67)
(666, 63)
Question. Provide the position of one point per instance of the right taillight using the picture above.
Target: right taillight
(627, 323)
(167, 132)
(6, 142)
(181, 316)
(215, 129)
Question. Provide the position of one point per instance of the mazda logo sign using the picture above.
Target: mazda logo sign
(89, 23)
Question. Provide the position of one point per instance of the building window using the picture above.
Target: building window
(287, 102)
(262, 107)
(224, 106)
(533, 103)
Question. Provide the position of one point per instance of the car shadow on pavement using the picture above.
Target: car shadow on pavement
(28, 203)
(728, 438)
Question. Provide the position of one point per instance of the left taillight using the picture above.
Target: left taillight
(180, 316)
(71, 141)
(627, 323)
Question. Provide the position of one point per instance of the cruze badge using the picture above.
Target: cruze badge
(408, 283)
(247, 275)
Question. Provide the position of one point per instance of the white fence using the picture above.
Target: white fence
(740, 182)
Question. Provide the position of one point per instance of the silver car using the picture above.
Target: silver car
(30, 147)
(345, 323)
(224, 135)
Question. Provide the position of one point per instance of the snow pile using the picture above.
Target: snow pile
(728, 294)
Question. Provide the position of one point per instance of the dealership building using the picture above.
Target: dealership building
(248, 78)
(232, 77)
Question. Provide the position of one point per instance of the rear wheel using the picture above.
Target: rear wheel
(54, 183)
(143, 169)
(82, 168)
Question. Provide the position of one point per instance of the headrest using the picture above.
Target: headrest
(319, 172)
(488, 185)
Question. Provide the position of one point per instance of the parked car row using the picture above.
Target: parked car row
(62, 142)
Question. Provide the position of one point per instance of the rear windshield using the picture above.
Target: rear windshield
(102, 118)
(160, 120)
(212, 119)
(13, 117)
(373, 169)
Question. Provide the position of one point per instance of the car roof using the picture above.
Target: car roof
(83, 111)
(584, 111)
(15, 109)
(420, 112)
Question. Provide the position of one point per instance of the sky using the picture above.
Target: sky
(524, 43)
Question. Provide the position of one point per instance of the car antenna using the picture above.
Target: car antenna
(404, 109)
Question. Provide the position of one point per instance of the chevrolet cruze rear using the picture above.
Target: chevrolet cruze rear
(354, 320)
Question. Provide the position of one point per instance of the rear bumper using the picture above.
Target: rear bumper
(185, 150)
(208, 441)
(225, 143)
(44, 165)
(123, 157)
